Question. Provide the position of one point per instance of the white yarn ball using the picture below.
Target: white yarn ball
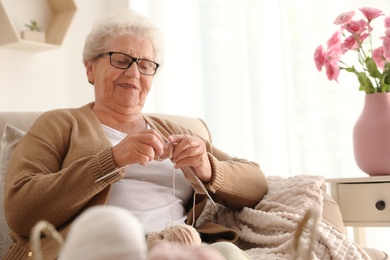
(103, 233)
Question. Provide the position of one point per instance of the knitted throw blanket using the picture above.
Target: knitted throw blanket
(266, 232)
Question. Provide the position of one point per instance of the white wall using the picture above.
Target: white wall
(39, 81)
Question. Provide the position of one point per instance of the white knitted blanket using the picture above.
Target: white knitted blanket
(266, 231)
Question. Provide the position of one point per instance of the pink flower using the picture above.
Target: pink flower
(329, 59)
(344, 17)
(379, 59)
(334, 53)
(371, 13)
(356, 27)
(332, 70)
(387, 22)
(349, 44)
(386, 48)
(334, 41)
(387, 32)
(319, 57)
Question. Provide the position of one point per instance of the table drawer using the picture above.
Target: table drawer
(364, 202)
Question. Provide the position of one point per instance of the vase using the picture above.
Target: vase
(371, 135)
(33, 36)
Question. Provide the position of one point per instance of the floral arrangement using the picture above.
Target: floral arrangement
(355, 35)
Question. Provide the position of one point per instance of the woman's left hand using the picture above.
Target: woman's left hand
(191, 151)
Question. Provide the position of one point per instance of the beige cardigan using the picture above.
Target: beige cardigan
(52, 174)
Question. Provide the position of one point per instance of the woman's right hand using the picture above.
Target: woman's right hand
(140, 148)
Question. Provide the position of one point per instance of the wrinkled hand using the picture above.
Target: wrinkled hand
(139, 148)
(191, 151)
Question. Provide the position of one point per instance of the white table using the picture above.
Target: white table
(363, 201)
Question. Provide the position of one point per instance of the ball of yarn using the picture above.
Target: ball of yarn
(105, 232)
(184, 234)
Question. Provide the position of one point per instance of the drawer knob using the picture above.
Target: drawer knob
(380, 205)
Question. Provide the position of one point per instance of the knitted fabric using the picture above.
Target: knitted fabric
(267, 231)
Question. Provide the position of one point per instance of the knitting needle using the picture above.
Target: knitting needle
(111, 173)
(121, 168)
(202, 186)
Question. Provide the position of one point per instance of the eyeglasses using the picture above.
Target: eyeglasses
(123, 61)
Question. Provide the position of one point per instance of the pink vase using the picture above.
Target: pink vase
(371, 135)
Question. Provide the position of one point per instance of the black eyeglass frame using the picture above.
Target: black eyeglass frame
(136, 60)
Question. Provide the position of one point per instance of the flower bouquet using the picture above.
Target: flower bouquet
(355, 35)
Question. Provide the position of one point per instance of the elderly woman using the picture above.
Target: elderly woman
(104, 152)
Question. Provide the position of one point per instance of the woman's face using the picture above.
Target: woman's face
(121, 91)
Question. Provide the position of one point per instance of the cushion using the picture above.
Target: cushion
(9, 140)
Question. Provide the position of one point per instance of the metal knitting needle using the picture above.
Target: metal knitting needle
(202, 186)
(121, 168)
(111, 173)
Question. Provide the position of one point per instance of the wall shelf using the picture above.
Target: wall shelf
(63, 12)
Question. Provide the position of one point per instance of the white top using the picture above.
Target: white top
(147, 191)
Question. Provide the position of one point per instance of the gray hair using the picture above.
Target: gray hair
(122, 23)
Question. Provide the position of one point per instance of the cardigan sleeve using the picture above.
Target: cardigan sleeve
(236, 183)
(52, 172)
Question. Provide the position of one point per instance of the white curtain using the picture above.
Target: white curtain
(246, 67)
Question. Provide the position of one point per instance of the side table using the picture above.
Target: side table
(363, 201)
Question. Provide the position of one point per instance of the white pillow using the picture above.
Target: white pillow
(9, 140)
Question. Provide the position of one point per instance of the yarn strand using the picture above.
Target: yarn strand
(170, 223)
(43, 227)
(183, 233)
(173, 193)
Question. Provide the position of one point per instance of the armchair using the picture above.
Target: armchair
(23, 121)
